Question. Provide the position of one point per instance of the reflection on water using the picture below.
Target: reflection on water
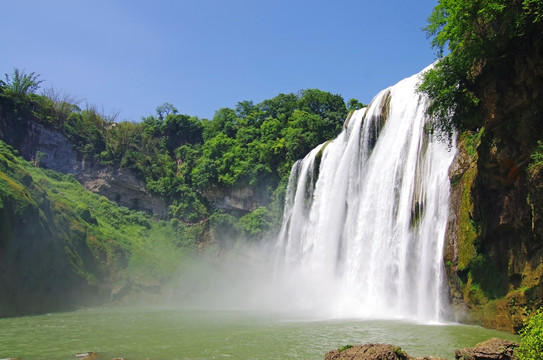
(168, 333)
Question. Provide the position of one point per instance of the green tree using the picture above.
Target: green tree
(86, 130)
(179, 130)
(354, 104)
(305, 131)
(256, 224)
(324, 104)
(280, 107)
(225, 121)
(22, 83)
(165, 109)
(223, 226)
(476, 35)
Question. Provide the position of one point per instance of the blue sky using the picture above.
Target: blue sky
(129, 56)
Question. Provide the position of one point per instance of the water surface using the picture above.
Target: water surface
(168, 333)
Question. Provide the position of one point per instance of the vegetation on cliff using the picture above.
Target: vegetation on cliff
(477, 36)
(182, 157)
(61, 245)
(93, 245)
(531, 344)
(488, 88)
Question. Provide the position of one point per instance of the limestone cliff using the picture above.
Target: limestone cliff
(238, 200)
(117, 184)
(494, 252)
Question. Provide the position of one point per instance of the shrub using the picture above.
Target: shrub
(531, 343)
(344, 347)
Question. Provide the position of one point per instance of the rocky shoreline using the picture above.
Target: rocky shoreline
(492, 349)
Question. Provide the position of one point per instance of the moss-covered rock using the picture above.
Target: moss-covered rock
(494, 251)
(62, 246)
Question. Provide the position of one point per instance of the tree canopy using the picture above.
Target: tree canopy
(181, 157)
(474, 35)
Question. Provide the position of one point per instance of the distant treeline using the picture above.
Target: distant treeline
(180, 156)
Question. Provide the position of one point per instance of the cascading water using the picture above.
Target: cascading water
(365, 215)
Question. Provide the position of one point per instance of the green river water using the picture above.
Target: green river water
(168, 333)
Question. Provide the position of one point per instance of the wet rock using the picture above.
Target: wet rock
(368, 352)
(87, 356)
(492, 349)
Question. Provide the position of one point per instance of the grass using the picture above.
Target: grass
(126, 244)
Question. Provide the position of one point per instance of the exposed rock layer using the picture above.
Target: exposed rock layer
(494, 251)
(117, 184)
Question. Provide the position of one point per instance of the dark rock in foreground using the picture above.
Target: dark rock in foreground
(370, 352)
(493, 349)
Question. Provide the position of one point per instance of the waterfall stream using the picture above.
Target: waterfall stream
(366, 213)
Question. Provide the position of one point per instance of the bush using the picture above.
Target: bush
(255, 225)
(344, 347)
(531, 338)
(479, 36)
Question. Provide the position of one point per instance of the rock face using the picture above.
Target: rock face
(492, 349)
(237, 200)
(119, 185)
(123, 187)
(494, 250)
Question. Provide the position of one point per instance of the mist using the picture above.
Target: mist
(248, 279)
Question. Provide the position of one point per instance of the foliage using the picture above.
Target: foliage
(354, 104)
(181, 158)
(343, 348)
(468, 230)
(22, 83)
(477, 35)
(484, 272)
(531, 338)
(536, 156)
(165, 109)
(99, 237)
(224, 229)
(399, 352)
(256, 224)
(86, 130)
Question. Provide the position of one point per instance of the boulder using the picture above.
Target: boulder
(492, 349)
(368, 352)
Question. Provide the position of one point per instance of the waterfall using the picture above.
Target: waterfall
(365, 215)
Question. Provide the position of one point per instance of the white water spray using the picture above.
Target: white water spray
(365, 215)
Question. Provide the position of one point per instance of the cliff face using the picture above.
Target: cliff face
(45, 263)
(119, 185)
(495, 245)
(238, 200)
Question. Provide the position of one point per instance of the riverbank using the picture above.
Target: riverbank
(492, 349)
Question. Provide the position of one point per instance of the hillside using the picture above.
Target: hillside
(160, 190)
(63, 246)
